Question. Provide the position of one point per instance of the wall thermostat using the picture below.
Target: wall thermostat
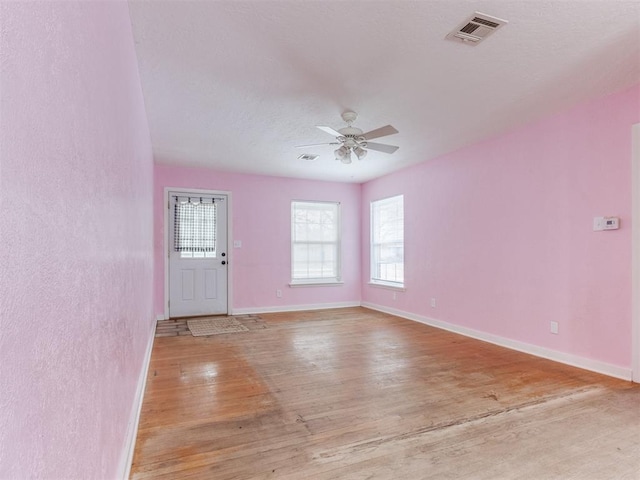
(605, 223)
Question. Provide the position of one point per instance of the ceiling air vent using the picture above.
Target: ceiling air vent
(308, 157)
(476, 28)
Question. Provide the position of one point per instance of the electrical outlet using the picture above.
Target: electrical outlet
(395, 295)
(279, 293)
(433, 303)
(554, 328)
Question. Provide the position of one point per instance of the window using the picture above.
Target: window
(194, 234)
(315, 242)
(387, 241)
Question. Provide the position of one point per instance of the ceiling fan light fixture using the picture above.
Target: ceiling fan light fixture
(346, 160)
(360, 152)
(342, 152)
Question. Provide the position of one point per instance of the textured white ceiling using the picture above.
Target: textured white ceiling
(235, 85)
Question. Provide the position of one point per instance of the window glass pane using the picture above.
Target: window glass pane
(329, 232)
(300, 232)
(315, 253)
(387, 240)
(315, 270)
(301, 252)
(314, 231)
(314, 237)
(328, 253)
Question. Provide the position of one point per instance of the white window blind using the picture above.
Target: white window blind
(387, 241)
(315, 242)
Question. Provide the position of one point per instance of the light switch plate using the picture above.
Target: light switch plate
(605, 223)
(598, 224)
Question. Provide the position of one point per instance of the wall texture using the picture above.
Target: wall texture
(76, 195)
(500, 233)
(261, 219)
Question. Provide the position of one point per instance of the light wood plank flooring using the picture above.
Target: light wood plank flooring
(357, 394)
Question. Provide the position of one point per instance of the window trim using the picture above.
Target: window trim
(378, 282)
(318, 281)
(315, 283)
(387, 285)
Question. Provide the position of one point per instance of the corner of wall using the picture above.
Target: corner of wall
(126, 458)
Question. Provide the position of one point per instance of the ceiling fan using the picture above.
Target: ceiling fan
(352, 139)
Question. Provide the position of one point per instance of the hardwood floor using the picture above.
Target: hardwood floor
(358, 394)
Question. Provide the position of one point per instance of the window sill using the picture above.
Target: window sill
(332, 283)
(388, 286)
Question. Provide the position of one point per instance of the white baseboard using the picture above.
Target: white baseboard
(160, 318)
(293, 308)
(561, 357)
(126, 458)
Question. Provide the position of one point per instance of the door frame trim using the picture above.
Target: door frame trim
(635, 253)
(165, 249)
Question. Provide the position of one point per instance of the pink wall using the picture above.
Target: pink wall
(261, 219)
(76, 257)
(500, 233)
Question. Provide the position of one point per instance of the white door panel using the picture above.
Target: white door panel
(211, 283)
(187, 286)
(197, 254)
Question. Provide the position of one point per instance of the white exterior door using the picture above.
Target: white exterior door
(197, 254)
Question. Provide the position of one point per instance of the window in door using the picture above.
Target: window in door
(387, 241)
(315, 242)
(194, 233)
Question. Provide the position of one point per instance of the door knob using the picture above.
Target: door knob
(223, 262)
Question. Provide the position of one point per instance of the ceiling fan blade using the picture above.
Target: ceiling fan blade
(330, 131)
(380, 132)
(381, 147)
(317, 144)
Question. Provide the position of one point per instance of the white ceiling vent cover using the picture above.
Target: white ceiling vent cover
(476, 28)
